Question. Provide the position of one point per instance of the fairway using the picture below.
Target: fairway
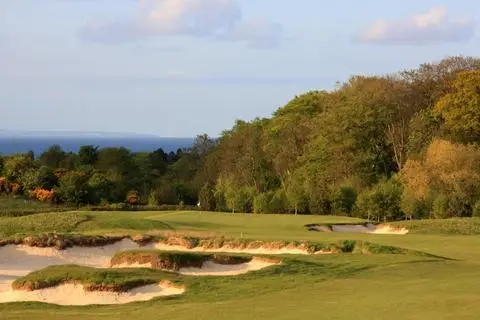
(439, 283)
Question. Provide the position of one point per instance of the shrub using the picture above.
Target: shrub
(343, 200)
(415, 208)
(476, 209)
(42, 195)
(382, 202)
(152, 199)
(440, 207)
(132, 197)
(261, 202)
(117, 206)
(278, 202)
(73, 188)
(206, 197)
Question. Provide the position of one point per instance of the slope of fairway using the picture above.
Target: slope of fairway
(334, 286)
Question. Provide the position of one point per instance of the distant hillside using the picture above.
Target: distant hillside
(11, 144)
(74, 134)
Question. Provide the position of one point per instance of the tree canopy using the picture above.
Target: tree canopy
(382, 147)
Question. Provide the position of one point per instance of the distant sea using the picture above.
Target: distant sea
(12, 145)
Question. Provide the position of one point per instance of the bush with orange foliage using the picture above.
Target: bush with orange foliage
(8, 187)
(3, 184)
(42, 195)
(132, 197)
(15, 188)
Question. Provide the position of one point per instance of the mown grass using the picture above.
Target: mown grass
(376, 285)
(309, 287)
(454, 226)
(206, 223)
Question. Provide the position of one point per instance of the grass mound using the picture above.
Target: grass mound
(363, 247)
(454, 226)
(174, 260)
(63, 241)
(114, 280)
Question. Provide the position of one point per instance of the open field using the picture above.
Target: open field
(440, 284)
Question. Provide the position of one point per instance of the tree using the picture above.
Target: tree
(88, 155)
(343, 200)
(423, 128)
(237, 198)
(431, 81)
(73, 188)
(288, 132)
(448, 176)
(295, 193)
(203, 144)
(158, 162)
(16, 166)
(460, 109)
(382, 202)
(120, 169)
(206, 197)
(53, 157)
(99, 187)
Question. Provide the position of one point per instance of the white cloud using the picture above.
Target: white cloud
(432, 26)
(259, 34)
(220, 19)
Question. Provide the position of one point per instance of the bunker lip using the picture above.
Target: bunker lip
(210, 268)
(368, 228)
(70, 294)
(192, 264)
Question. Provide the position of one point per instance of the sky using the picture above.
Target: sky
(178, 68)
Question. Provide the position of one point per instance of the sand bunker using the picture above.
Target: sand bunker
(226, 249)
(210, 268)
(20, 260)
(369, 228)
(76, 295)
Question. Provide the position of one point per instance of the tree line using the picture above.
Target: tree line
(379, 147)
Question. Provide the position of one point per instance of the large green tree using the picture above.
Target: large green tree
(460, 109)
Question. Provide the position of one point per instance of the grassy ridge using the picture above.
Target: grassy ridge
(118, 280)
(174, 260)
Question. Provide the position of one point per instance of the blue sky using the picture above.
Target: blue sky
(182, 67)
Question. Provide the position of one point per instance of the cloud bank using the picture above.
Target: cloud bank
(433, 26)
(217, 19)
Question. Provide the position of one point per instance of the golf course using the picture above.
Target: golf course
(204, 265)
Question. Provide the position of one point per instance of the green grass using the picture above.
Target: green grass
(41, 223)
(397, 279)
(15, 206)
(455, 226)
(174, 260)
(110, 279)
